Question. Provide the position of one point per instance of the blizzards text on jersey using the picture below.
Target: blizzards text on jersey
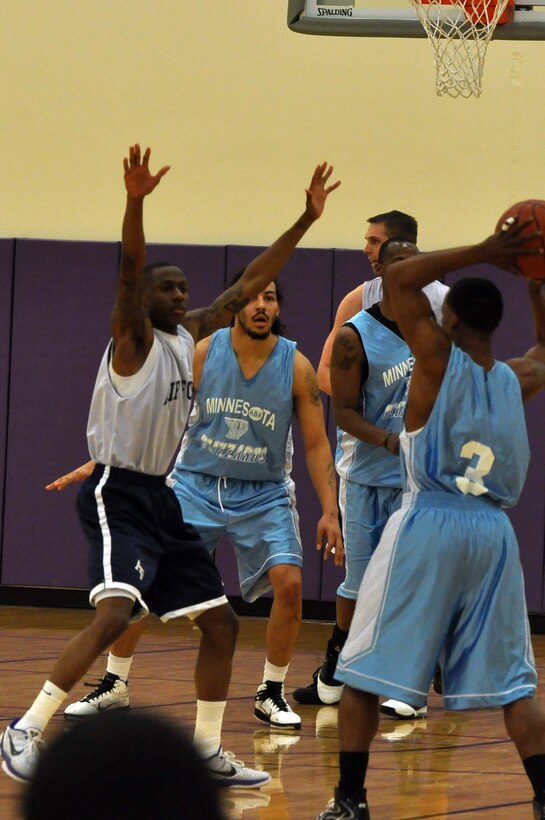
(233, 451)
(243, 408)
(398, 371)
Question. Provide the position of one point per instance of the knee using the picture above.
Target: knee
(220, 628)
(109, 626)
(289, 593)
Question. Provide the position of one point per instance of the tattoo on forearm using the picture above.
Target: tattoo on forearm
(331, 480)
(344, 354)
(232, 301)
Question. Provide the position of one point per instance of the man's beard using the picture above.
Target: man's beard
(253, 334)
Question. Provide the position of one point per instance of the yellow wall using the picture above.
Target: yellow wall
(243, 108)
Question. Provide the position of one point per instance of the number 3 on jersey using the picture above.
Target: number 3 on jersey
(471, 483)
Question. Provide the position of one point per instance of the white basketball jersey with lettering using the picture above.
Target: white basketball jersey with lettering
(435, 291)
(141, 431)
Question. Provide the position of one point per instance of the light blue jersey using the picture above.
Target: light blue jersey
(232, 473)
(447, 567)
(241, 428)
(485, 450)
(384, 396)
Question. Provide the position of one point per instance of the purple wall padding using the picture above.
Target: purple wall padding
(63, 296)
(350, 269)
(7, 253)
(513, 338)
(306, 283)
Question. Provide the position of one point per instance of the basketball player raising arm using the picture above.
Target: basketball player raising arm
(201, 322)
(451, 548)
(431, 345)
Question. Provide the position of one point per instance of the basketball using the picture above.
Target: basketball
(532, 267)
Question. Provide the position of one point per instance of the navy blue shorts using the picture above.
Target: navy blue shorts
(141, 548)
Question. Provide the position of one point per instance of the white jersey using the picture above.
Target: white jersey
(435, 291)
(140, 427)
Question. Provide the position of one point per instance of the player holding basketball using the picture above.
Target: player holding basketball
(450, 549)
(143, 557)
(369, 478)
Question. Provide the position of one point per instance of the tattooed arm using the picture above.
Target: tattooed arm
(347, 361)
(310, 413)
(265, 267)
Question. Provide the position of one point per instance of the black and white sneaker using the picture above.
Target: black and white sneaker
(319, 693)
(343, 808)
(272, 707)
(228, 771)
(111, 693)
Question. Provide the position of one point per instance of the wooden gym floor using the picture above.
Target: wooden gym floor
(452, 764)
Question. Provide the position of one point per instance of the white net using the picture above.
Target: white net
(459, 34)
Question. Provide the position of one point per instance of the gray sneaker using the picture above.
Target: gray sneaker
(228, 771)
(20, 751)
(111, 693)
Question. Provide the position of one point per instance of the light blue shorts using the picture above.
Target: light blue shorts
(364, 513)
(259, 517)
(444, 584)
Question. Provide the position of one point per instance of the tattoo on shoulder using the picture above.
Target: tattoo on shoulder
(344, 354)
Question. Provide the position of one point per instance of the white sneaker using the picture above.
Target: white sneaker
(329, 694)
(228, 771)
(272, 707)
(403, 711)
(20, 751)
(111, 693)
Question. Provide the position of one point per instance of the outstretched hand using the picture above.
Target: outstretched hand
(79, 474)
(503, 247)
(138, 180)
(317, 192)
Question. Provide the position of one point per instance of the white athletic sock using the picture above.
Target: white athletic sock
(276, 673)
(119, 666)
(208, 725)
(43, 708)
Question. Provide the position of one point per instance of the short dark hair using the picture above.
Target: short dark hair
(150, 269)
(398, 224)
(477, 303)
(386, 246)
(121, 764)
(277, 328)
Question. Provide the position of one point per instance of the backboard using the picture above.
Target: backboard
(396, 18)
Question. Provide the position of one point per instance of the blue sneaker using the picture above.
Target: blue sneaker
(228, 771)
(20, 751)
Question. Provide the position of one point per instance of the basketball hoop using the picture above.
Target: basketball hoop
(459, 32)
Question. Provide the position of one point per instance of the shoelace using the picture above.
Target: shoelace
(36, 741)
(105, 685)
(278, 699)
(230, 757)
